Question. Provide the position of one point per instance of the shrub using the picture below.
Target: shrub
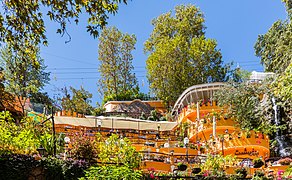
(288, 173)
(112, 172)
(242, 172)
(75, 169)
(83, 147)
(53, 168)
(16, 166)
(259, 175)
(257, 163)
(20, 167)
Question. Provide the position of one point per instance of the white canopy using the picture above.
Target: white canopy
(116, 123)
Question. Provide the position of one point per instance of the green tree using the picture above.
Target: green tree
(22, 22)
(274, 47)
(23, 138)
(180, 55)
(114, 50)
(243, 101)
(22, 79)
(77, 100)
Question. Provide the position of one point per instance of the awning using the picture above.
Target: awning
(116, 123)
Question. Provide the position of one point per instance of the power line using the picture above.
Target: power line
(70, 59)
(73, 68)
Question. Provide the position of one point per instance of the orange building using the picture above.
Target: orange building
(200, 128)
(211, 128)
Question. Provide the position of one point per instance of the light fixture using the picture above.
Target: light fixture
(41, 150)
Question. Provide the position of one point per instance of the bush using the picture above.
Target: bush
(242, 172)
(83, 147)
(259, 175)
(53, 168)
(20, 167)
(112, 172)
(75, 169)
(16, 166)
(288, 173)
(257, 163)
(60, 169)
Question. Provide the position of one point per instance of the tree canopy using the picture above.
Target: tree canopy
(77, 100)
(22, 21)
(22, 79)
(180, 55)
(252, 103)
(117, 82)
(274, 47)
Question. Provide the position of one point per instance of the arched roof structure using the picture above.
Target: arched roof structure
(196, 93)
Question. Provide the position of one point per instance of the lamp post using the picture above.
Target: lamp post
(186, 142)
(67, 141)
(99, 123)
(41, 150)
(158, 128)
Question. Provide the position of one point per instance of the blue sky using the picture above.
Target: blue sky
(234, 24)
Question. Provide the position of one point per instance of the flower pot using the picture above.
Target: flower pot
(258, 163)
(196, 170)
(182, 167)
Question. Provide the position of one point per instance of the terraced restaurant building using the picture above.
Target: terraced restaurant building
(199, 127)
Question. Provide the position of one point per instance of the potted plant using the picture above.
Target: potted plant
(181, 166)
(202, 149)
(257, 163)
(242, 172)
(248, 134)
(196, 170)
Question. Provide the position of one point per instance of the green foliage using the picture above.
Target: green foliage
(243, 102)
(288, 172)
(55, 168)
(119, 160)
(283, 84)
(23, 138)
(41, 98)
(118, 151)
(83, 147)
(112, 172)
(153, 116)
(117, 82)
(239, 75)
(180, 55)
(22, 78)
(77, 100)
(274, 47)
(19, 167)
(259, 175)
(143, 116)
(16, 166)
(215, 163)
(241, 172)
(98, 111)
(22, 22)
(46, 141)
(258, 162)
(128, 95)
